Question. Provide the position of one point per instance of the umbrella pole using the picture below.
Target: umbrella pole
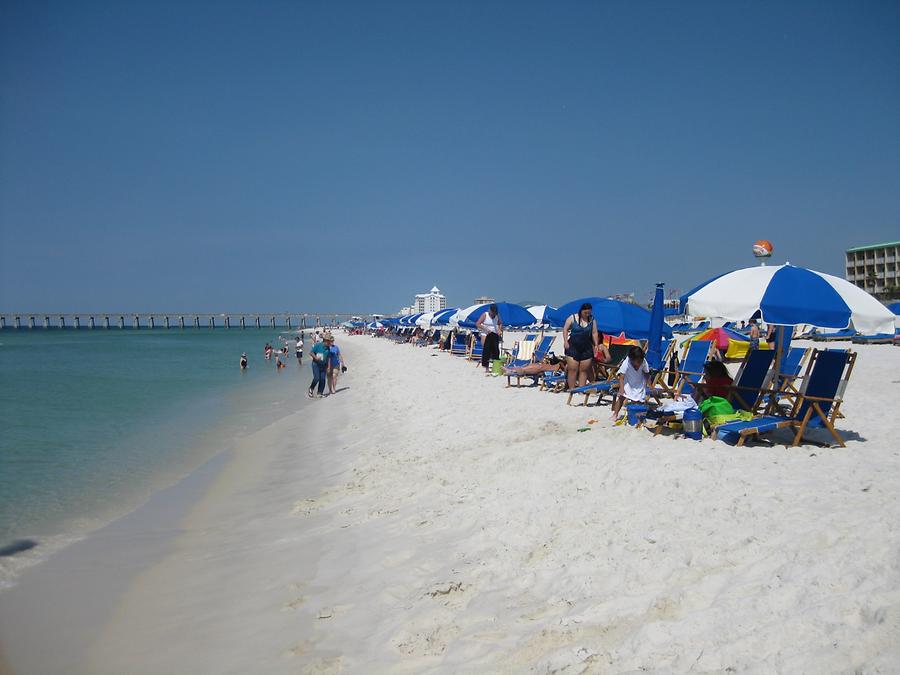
(779, 341)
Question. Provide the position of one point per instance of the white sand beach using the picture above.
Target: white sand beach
(428, 519)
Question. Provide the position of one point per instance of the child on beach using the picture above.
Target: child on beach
(716, 381)
(633, 376)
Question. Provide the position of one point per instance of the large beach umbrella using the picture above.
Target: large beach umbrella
(613, 317)
(424, 321)
(787, 296)
(654, 340)
(409, 320)
(541, 313)
(442, 318)
(511, 314)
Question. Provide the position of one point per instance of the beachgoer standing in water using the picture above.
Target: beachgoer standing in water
(491, 326)
(244, 361)
(298, 350)
(319, 354)
(336, 366)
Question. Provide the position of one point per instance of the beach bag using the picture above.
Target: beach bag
(496, 367)
(715, 406)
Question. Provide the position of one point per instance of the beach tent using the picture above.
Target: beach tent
(512, 315)
(785, 295)
(730, 343)
(613, 317)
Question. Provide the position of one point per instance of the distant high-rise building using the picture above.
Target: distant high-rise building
(876, 268)
(483, 300)
(433, 301)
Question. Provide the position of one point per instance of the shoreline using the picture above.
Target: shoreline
(429, 519)
(72, 592)
(169, 444)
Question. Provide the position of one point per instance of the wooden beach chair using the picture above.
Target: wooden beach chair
(817, 405)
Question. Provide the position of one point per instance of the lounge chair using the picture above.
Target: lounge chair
(476, 347)
(791, 366)
(540, 353)
(836, 336)
(523, 352)
(747, 392)
(817, 405)
(876, 338)
(554, 382)
(460, 345)
(690, 371)
(601, 387)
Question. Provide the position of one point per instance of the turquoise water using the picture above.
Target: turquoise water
(93, 421)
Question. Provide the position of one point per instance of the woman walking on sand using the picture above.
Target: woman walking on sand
(319, 354)
(336, 365)
(491, 326)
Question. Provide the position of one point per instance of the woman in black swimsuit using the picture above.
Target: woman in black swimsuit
(580, 339)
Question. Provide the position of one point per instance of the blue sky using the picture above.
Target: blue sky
(236, 156)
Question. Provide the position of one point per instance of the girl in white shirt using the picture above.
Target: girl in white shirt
(634, 374)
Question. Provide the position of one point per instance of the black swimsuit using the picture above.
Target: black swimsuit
(581, 340)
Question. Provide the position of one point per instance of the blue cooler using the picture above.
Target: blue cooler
(693, 424)
(636, 413)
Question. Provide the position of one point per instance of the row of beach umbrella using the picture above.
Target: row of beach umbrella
(613, 317)
(784, 296)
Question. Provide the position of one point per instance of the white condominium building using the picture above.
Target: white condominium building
(433, 301)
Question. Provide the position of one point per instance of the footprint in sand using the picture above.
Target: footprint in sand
(294, 604)
(326, 666)
(426, 638)
(305, 507)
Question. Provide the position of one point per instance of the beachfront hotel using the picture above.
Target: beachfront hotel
(483, 300)
(875, 268)
(433, 301)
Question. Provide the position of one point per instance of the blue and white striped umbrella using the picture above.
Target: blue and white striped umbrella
(541, 313)
(511, 314)
(788, 296)
(442, 318)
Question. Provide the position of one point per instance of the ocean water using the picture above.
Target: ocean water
(93, 421)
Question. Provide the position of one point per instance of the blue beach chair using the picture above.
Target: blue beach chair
(689, 372)
(747, 392)
(460, 345)
(817, 404)
(540, 353)
(607, 376)
(836, 336)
